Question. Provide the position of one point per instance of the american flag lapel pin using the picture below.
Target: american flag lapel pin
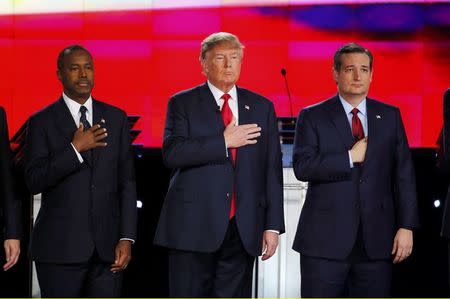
(247, 107)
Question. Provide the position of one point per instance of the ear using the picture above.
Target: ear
(335, 75)
(371, 74)
(204, 67)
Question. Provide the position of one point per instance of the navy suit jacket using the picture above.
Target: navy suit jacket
(84, 205)
(195, 214)
(10, 208)
(380, 195)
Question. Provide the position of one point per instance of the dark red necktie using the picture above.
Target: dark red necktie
(357, 128)
(227, 117)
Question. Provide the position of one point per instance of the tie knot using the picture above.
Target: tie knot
(83, 110)
(355, 111)
(226, 97)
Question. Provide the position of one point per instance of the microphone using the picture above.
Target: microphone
(283, 73)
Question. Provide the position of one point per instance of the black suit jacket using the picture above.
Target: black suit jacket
(445, 230)
(195, 213)
(380, 195)
(10, 210)
(84, 205)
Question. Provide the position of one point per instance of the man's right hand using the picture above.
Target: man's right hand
(237, 136)
(358, 151)
(89, 139)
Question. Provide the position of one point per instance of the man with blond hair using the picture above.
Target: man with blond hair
(224, 205)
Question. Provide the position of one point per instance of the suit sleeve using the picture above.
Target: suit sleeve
(11, 204)
(445, 158)
(310, 164)
(407, 211)
(274, 177)
(127, 184)
(44, 168)
(180, 150)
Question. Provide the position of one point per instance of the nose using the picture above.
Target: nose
(83, 73)
(356, 74)
(227, 62)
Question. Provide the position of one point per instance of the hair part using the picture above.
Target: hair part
(219, 38)
(348, 49)
(68, 50)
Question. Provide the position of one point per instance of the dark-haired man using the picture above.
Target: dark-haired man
(78, 155)
(360, 207)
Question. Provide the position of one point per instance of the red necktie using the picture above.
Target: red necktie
(357, 128)
(227, 117)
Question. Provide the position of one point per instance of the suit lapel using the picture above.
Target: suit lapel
(340, 121)
(97, 119)
(373, 127)
(209, 110)
(244, 117)
(64, 120)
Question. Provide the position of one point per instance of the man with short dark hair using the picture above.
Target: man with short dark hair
(360, 207)
(224, 205)
(78, 156)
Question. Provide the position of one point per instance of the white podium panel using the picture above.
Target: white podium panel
(279, 277)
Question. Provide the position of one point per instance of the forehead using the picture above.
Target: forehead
(224, 48)
(360, 59)
(76, 57)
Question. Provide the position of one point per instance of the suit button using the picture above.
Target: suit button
(92, 186)
(228, 195)
(361, 181)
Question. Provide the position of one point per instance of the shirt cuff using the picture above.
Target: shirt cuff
(80, 158)
(350, 159)
(273, 231)
(127, 239)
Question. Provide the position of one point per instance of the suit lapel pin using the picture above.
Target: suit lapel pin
(378, 116)
(247, 107)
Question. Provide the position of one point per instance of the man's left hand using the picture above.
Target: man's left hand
(270, 244)
(403, 244)
(12, 252)
(123, 256)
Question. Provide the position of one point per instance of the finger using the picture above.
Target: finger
(99, 144)
(253, 130)
(99, 132)
(394, 247)
(251, 141)
(249, 126)
(100, 136)
(81, 127)
(94, 128)
(232, 122)
(252, 136)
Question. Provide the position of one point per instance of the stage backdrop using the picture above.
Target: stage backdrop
(146, 50)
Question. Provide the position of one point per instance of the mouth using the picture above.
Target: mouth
(83, 84)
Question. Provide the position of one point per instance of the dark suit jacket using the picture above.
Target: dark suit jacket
(195, 213)
(381, 195)
(445, 230)
(10, 209)
(83, 205)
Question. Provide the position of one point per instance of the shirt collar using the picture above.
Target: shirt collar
(217, 93)
(348, 108)
(74, 106)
